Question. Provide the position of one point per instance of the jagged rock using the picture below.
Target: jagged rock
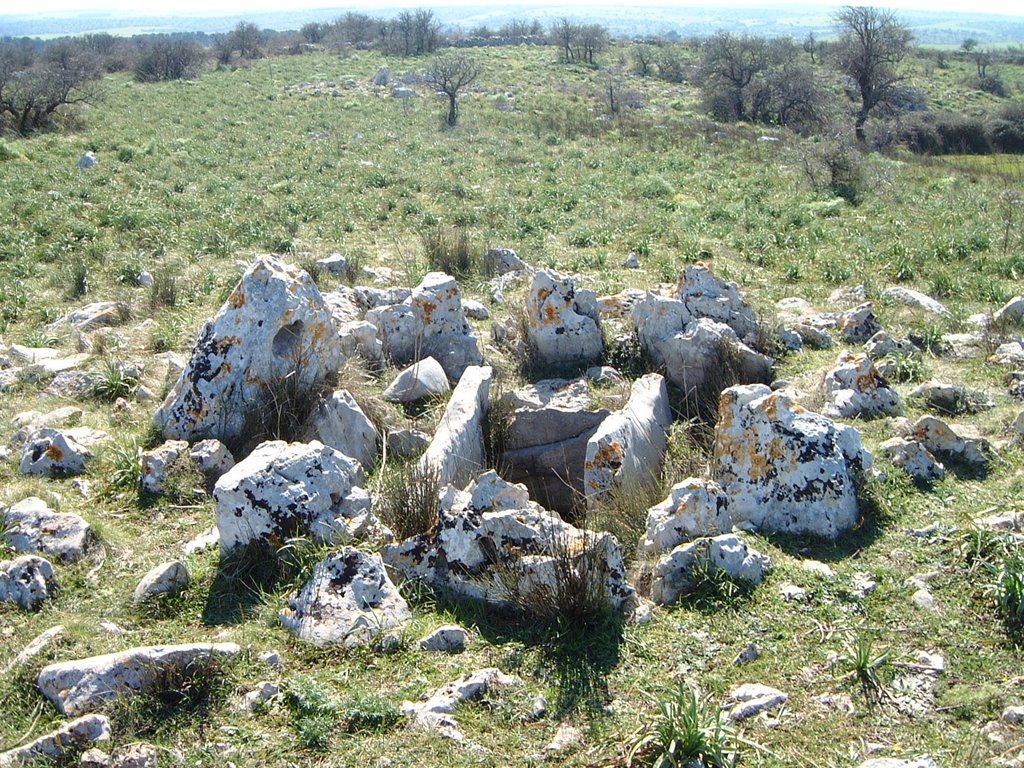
(27, 580)
(940, 439)
(52, 453)
(340, 423)
(857, 293)
(627, 449)
(813, 336)
(165, 579)
(436, 713)
(783, 468)
(854, 388)
(859, 324)
(263, 693)
(632, 262)
(1011, 312)
(491, 541)
(407, 443)
(705, 295)
(349, 600)
(360, 338)
(29, 421)
(561, 331)
(963, 346)
(952, 398)
(60, 745)
(157, 462)
(545, 444)
(914, 459)
(211, 457)
(31, 526)
(1009, 354)
(43, 370)
(37, 645)
(684, 568)
(475, 310)
(87, 162)
(137, 756)
(95, 315)
(502, 261)
(451, 638)
(335, 264)
(274, 325)
(752, 699)
(76, 687)
(282, 490)
(882, 344)
(916, 299)
(694, 508)
(456, 453)
(423, 379)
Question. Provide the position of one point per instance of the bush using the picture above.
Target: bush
(164, 58)
(1006, 129)
(406, 500)
(448, 249)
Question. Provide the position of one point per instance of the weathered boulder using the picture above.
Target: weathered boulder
(705, 295)
(451, 638)
(854, 388)
(87, 162)
(165, 579)
(1011, 312)
(783, 468)
(694, 508)
(914, 459)
(53, 453)
(456, 454)
(943, 442)
(95, 315)
(349, 600)
(60, 745)
(952, 398)
(30, 526)
(916, 299)
(813, 336)
(560, 330)
(28, 422)
(502, 261)
(283, 490)
(436, 712)
(685, 568)
(627, 449)
(492, 543)
(424, 378)
(882, 344)
(335, 264)
(27, 580)
(407, 443)
(475, 310)
(76, 687)
(274, 325)
(340, 423)
(157, 462)
(859, 324)
(211, 457)
(753, 699)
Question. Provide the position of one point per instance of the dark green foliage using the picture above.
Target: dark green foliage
(315, 711)
(688, 730)
(407, 499)
(115, 380)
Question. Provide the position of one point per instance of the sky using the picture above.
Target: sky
(231, 7)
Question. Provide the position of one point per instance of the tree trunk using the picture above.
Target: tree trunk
(858, 127)
(453, 111)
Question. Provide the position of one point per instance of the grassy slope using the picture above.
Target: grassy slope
(197, 177)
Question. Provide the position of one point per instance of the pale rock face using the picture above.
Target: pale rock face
(560, 331)
(697, 353)
(456, 453)
(76, 687)
(336, 264)
(211, 457)
(60, 745)
(882, 345)
(475, 310)
(941, 440)
(859, 324)
(855, 389)
(274, 324)
(706, 295)
(437, 712)
(157, 462)
(656, 318)
(916, 299)
(783, 468)
(628, 447)
(1009, 354)
(282, 490)
(31, 526)
(53, 453)
(680, 571)
(451, 638)
(340, 423)
(165, 579)
(360, 338)
(27, 580)
(952, 398)
(753, 699)
(349, 600)
(694, 508)
(503, 261)
(813, 336)
(914, 459)
(1011, 312)
(407, 443)
(424, 378)
(491, 538)
(95, 315)
(87, 161)
(29, 421)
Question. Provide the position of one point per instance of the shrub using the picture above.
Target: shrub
(314, 711)
(369, 712)
(115, 380)
(164, 291)
(407, 499)
(449, 249)
(1006, 129)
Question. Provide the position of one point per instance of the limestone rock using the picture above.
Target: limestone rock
(627, 449)
(705, 295)
(914, 459)
(335, 264)
(27, 580)
(451, 638)
(157, 462)
(165, 579)
(95, 315)
(87, 162)
(681, 571)
(952, 398)
(211, 457)
(282, 490)
(783, 468)
(942, 441)
(475, 310)
(407, 443)
(882, 344)
(274, 325)
(916, 299)
(349, 600)
(35, 647)
(359, 337)
(752, 699)
(456, 453)
(1011, 312)
(53, 453)
(892, 762)
(854, 388)
(31, 526)
(137, 756)
(436, 713)
(1009, 354)
(859, 324)
(813, 336)
(76, 687)
(60, 745)
(503, 261)
(694, 508)
(560, 331)
(28, 422)
(263, 693)
(423, 379)
(340, 423)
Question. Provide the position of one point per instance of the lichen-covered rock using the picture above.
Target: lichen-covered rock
(436, 712)
(491, 541)
(855, 388)
(60, 745)
(211, 457)
(165, 579)
(628, 447)
(456, 454)
(284, 490)
(683, 569)
(349, 600)
(694, 508)
(31, 526)
(157, 462)
(27, 580)
(882, 344)
(914, 459)
(28, 422)
(859, 324)
(424, 378)
(76, 687)
(705, 295)
(53, 453)
(783, 468)
(340, 423)
(560, 331)
(274, 325)
(942, 441)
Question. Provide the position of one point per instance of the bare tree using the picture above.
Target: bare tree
(728, 66)
(593, 38)
(565, 33)
(871, 48)
(165, 58)
(449, 73)
(644, 58)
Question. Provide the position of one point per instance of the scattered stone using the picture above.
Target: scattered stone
(137, 756)
(340, 423)
(1010, 354)
(857, 293)
(883, 345)
(39, 644)
(863, 585)
(87, 162)
(753, 699)
(53, 453)
(94, 758)
(818, 568)
(791, 593)
(838, 702)
(436, 713)
(855, 389)
(451, 638)
(76, 687)
(502, 261)
(208, 539)
(29, 421)
(694, 508)
(475, 310)
(604, 374)
(145, 279)
(564, 739)
(916, 299)
(419, 381)
(456, 453)
(96, 315)
(274, 326)
(689, 564)
(560, 330)
(914, 459)
(335, 264)
(62, 744)
(631, 262)
(263, 693)
(165, 579)
(157, 462)
(349, 600)
(27, 580)
(963, 346)
(211, 457)
(539, 708)
(272, 659)
(923, 599)
(32, 527)
(940, 439)
(859, 324)
(407, 443)
(1011, 312)
(813, 336)
(892, 762)
(748, 655)
(1012, 715)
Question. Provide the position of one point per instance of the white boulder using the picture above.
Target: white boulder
(456, 454)
(683, 569)
(855, 388)
(694, 508)
(27, 580)
(53, 453)
(560, 331)
(340, 423)
(31, 526)
(165, 579)
(424, 378)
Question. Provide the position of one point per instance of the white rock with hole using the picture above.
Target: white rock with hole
(27, 581)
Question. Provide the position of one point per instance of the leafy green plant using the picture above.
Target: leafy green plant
(315, 711)
(866, 664)
(115, 380)
(1010, 592)
(688, 730)
(364, 711)
(123, 466)
(908, 366)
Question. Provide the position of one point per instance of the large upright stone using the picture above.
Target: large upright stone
(274, 326)
(456, 454)
(53, 453)
(340, 423)
(560, 331)
(705, 295)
